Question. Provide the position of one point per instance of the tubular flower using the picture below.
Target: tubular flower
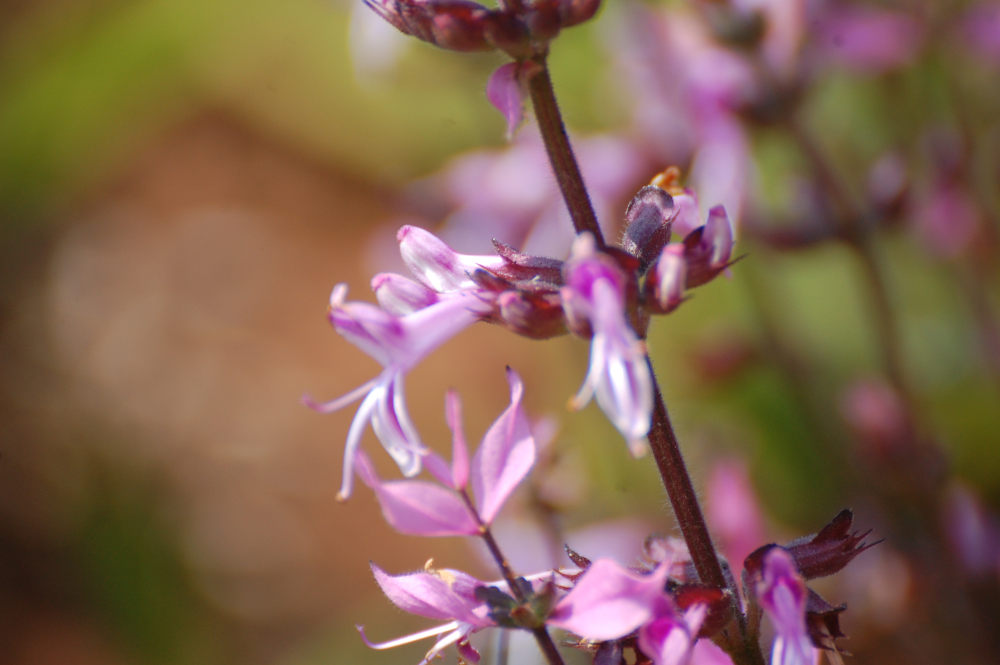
(444, 594)
(397, 343)
(503, 460)
(594, 296)
(782, 593)
(436, 594)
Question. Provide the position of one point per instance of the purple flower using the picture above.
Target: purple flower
(866, 38)
(733, 510)
(505, 90)
(979, 31)
(594, 296)
(397, 343)
(669, 639)
(438, 266)
(610, 601)
(503, 460)
(444, 594)
(510, 194)
(708, 249)
(782, 593)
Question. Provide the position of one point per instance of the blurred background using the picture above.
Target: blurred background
(183, 182)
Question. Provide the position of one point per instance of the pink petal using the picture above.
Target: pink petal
(439, 594)
(418, 507)
(504, 92)
(459, 449)
(610, 601)
(505, 456)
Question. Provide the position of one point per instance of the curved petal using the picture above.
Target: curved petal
(505, 455)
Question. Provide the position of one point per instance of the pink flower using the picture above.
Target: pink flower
(610, 601)
(782, 593)
(866, 38)
(398, 343)
(502, 461)
(594, 296)
(510, 193)
(669, 639)
(445, 594)
(733, 511)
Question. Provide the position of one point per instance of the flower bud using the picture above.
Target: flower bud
(648, 219)
(665, 284)
(708, 249)
(457, 25)
(573, 12)
(401, 295)
(820, 554)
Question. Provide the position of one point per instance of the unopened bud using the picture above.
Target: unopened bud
(538, 316)
(400, 295)
(823, 553)
(457, 25)
(648, 219)
(708, 249)
(666, 281)
(574, 12)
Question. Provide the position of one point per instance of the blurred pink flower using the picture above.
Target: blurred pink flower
(733, 510)
(510, 194)
(867, 38)
(979, 31)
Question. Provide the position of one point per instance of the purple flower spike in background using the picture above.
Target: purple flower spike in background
(594, 296)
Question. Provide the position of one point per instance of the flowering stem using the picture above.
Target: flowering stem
(856, 232)
(744, 650)
(564, 165)
(541, 633)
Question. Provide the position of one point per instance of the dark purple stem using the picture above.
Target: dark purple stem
(743, 648)
(541, 633)
(564, 165)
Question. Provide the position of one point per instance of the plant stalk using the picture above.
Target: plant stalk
(541, 633)
(560, 153)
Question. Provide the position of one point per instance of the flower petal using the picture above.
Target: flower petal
(505, 455)
(444, 594)
(504, 92)
(417, 507)
(610, 601)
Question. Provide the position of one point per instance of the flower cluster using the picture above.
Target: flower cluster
(681, 603)
(656, 609)
(604, 294)
(520, 28)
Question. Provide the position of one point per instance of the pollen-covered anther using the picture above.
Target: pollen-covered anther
(669, 179)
